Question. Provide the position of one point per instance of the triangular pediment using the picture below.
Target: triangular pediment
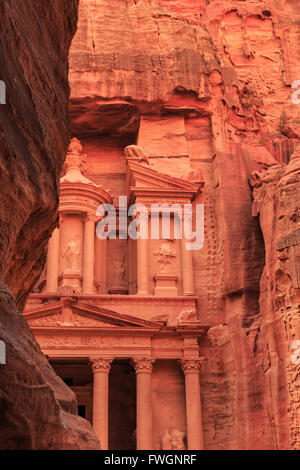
(144, 177)
(71, 313)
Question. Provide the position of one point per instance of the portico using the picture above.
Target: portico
(72, 330)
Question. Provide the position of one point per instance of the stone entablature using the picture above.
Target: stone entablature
(70, 327)
(172, 311)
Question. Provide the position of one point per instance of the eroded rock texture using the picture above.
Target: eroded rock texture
(276, 200)
(37, 411)
(207, 85)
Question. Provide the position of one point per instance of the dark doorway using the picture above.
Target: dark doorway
(68, 381)
(122, 406)
(82, 411)
(77, 374)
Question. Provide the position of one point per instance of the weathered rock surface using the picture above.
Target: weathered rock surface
(276, 200)
(211, 81)
(37, 411)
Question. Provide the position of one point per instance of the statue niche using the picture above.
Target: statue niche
(71, 257)
(117, 267)
(165, 257)
(166, 278)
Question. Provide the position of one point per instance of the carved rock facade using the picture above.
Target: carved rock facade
(167, 96)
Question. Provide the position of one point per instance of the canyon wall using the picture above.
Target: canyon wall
(37, 411)
(207, 85)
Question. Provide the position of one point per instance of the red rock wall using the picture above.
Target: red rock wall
(276, 200)
(223, 71)
(37, 411)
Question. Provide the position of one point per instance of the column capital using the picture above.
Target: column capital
(191, 365)
(90, 217)
(100, 364)
(143, 364)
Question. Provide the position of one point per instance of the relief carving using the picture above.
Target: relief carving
(71, 257)
(75, 158)
(173, 440)
(166, 257)
(136, 152)
(68, 290)
(119, 269)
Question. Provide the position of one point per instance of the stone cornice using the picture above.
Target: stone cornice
(82, 198)
(123, 298)
(121, 331)
(92, 331)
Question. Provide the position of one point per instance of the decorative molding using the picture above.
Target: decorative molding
(143, 364)
(151, 299)
(147, 185)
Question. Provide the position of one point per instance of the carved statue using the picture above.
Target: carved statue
(178, 440)
(119, 268)
(166, 256)
(75, 147)
(136, 152)
(187, 315)
(75, 162)
(166, 442)
(71, 256)
(173, 441)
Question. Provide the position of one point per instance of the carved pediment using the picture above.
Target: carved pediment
(144, 178)
(65, 319)
(70, 313)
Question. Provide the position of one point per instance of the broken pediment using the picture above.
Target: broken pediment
(142, 178)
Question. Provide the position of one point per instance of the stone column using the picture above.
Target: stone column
(191, 368)
(101, 368)
(187, 269)
(88, 255)
(142, 258)
(143, 368)
(101, 264)
(53, 262)
(142, 267)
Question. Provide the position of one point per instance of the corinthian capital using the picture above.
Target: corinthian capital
(101, 364)
(191, 365)
(143, 364)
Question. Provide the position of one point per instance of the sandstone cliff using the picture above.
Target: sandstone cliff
(207, 84)
(37, 411)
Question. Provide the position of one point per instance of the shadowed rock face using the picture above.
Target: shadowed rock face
(276, 200)
(37, 411)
